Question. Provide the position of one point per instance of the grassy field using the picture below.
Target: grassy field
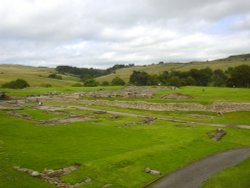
(110, 152)
(34, 76)
(159, 68)
(107, 154)
(203, 95)
(43, 90)
(232, 177)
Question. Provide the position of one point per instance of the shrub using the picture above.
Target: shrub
(16, 84)
(90, 83)
(117, 82)
(77, 85)
(46, 85)
(55, 76)
(105, 83)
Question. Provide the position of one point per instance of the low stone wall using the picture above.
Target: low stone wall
(216, 107)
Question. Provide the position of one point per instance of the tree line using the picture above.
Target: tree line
(88, 73)
(233, 77)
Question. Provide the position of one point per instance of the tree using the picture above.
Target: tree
(90, 83)
(175, 81)
(153, 80)
(163, 78)
(239, 76)
(202, 77)
(117, 82)
(219, 78)
(55, 76)
(105, 83)
(139, 78)
(17, 84)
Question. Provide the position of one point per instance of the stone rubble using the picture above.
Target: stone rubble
(217, 134)
(53, 176)
(152, 172)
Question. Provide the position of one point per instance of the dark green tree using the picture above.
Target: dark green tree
(105, 83)
(239, 76)
(17, 84)
(219, 78)
(139, 78)
(117, 82)
(90, 83)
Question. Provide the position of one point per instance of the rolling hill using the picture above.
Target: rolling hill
(38, 76)
(35, 76)
(223, 64)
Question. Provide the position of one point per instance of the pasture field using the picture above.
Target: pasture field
(113, 145)
(36, 76)
(222, 64)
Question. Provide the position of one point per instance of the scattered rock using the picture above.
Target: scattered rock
(87, 180)
(200, 116)
(35, 174)
(216, 135)
(147, 120)
(184, 126)
(176, 96)
(3, 96)
(114, 116)
(147, 170)
(53, 176)
(152, 172)
(100, 112)
(107, 185)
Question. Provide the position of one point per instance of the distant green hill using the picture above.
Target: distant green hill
(38, 76)
(35, 76)
(223, 64)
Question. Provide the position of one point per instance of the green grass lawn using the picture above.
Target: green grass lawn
(232, 177)
(107, 153)
(208, 95)
(44, 90)
(40, 114)
(111, 153)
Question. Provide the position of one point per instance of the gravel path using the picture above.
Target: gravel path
(193, 175)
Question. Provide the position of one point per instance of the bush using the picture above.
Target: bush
(55, 76)
(46, 85)
(90, 83)
(117, 82)
(105, 83)
(16, 84)
(77, 85)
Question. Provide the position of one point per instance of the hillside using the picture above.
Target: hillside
(223, 64)
(35, 76)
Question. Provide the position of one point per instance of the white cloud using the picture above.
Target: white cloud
(100, 33)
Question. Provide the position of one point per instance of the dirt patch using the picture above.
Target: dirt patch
(216, 135)
(201, 116)
(176, 96)
(64, 121)
(53, 176)
(128, 92)
(146, 120)
(184, 126)
(19, 115)
(100, 112)
(3, 96)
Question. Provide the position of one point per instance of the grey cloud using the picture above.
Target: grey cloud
(100, 33)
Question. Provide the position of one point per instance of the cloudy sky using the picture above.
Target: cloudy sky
(100, 33)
